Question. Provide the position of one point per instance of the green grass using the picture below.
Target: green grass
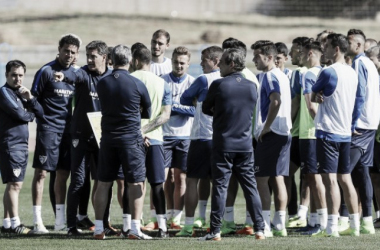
(61, 241)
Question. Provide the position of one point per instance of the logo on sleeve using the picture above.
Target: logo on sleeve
(75, 143)
(42, 158)
(17, 172)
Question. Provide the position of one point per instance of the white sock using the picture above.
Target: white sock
(7, 223)
(343, 218)
(177, 216)
(202, 206)
(135, 227)
(161, 221)
(302, 212)
(248, 219)
(37, 214)
(99, 228)
(354, 221)
(279, 219)
(322, 217)
(169, 214)
(266, 217)
(378, 214)
(313, 219)
(229, 214)
(126, 222)
(367, 219)
(60, 214)
(15, 222)
(332, 223)
(81, 217)
(189, 221)
(153, 213)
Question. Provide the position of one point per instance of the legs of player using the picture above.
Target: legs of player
(37, 192)
(178, 196)
(60, 197)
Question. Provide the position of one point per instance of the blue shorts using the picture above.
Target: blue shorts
(308, 156)
(155, 164)
(333, 157)
(363, 144)
(199, 159)
(176, 153)
(295, 156)
(13, 165)
(376, 158)
(130, 157)
(272, 155)
(52, 151)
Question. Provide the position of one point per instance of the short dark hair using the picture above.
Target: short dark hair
(339, 40)
(213, 52)
(121, 55)
(143, 55)
(282, 48)
(69, 39)
(14, 64)
(161, 32)
(266, 47)
(356, 32)
(324, 34)
(181, 51)
(237, 56)
(109, 52)
(300, 40)
(313, 45)
(100, 46)
(233, 43)
(136, 46)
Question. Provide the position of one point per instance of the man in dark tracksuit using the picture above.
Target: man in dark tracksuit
(231, 101)
(17, 108)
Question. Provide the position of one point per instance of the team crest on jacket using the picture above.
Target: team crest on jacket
(17, 172)
(42, 158)
(75, 143)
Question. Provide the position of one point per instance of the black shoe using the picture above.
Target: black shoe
(86, 223)
(5, 230)
(124, 234)
(162, 234)
(73, 231)
(21, 229)
(110, 231)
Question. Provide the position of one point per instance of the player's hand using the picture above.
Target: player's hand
(319, 97)
(263, 133)
(356, 133)
(58, 76)
(25, 93)
(146, 141)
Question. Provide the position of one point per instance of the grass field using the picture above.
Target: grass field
(61, 241)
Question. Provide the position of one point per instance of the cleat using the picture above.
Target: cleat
(343, 225)
(141, 236)
(20, 229)
(152, 225)
(162, 234)
(199, 223)
(367, 227)
(310, 230)
(259, 236)
(376, 223)
(211, 236)
(268, 233)
(39, 228)
(175, 226)
(110, 231)
(61, 227)
(246, 230)
(74, 231)
(186, 231)
(124, 234)
(100, 236)
(296, 222)
(350, 232)
(5, 230)
(323, 233)
(280, 233)
(86, 223)
(228, 227)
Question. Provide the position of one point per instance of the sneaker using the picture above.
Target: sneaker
(259, 236)
(350, 232)
(175, 226)
(186, 231)
(152, 225)
(246, 230)
(39, 228)
(199, 223)
(296, 222)
(280, 233)
(21, 229)
(310, 230)
(74, 231)
(86, 223)
(100, 236)
(343, 225)
(211, 236)
(228, 227)
(376, 223)
(367, 227)
(268, 233)
(162, 234)
(5, 230)
(124, 234)
(141, 236)
(323, 233)
(110, 231)
(61, 227)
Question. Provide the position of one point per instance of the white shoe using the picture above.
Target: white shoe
(61, 227)
(141, 236)
(211, 237)
(39, 228)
